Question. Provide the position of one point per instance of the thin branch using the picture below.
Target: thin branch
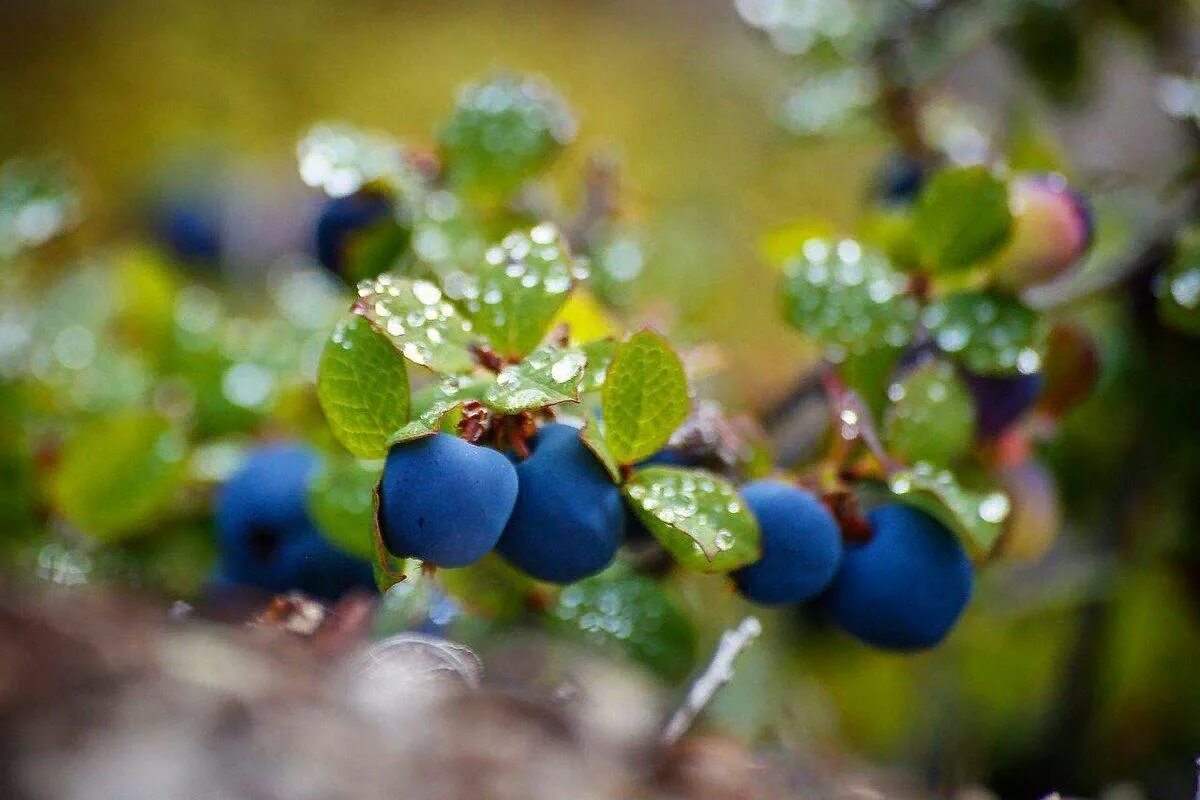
(718, 673)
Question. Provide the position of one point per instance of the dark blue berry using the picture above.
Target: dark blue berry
(345, 221)
(801, 545)
(445, 501)
(266, 537)
(190, 227)
(569, 519)
(1000, 400)
(900, 180)
(906, 587)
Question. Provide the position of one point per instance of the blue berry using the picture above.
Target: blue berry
(1001, 400)
(445, 501)
(190, 227)
(906, 587)
(801, 545)
(569, 519)
(266, 537)
(344, 224)
(899, 180)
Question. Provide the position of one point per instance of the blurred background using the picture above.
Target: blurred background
(1075, 671)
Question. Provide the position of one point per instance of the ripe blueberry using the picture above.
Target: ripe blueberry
(899, 180)
(906, 587)
(445, 501)
(266, 537)
(1052, 229)
(801, 545)
(569, 518)
(1000, 400)
(346, 222)
(190, 227)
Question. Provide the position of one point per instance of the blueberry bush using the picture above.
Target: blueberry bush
(458, 395)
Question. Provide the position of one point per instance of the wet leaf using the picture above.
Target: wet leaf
(548, 376)
(847, 298)
(696, 516)
(961, 219)
(527, 280)
(362, 386)
(931, 417)
(976, 517)
(987, 332)
(341, 159)
(645, 397)
(599, 355)
(630, 613)
(421, 323)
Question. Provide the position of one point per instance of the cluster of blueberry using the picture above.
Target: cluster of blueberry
(558, 517)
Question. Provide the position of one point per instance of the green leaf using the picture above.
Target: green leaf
(632, 614)
(118, 474)
(696, 516)
(988, 332)
(592, 437)
(341, 159)
(599, 355)
(932, 416)
(847, 298)
(421, 323)
(339, 499)
(425, 423)
(548, 376)
(527, 280)
(976, 517)
(962, 218)
(645, 397)
(362, 386)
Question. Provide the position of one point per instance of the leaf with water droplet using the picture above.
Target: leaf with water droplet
(599, 355)
(420, 321)
(340, 501)
(548, 376)
(644, 397)
(592, 437)
(847, 298)
(988, 332)
(696, 516)
(341, 159)
(633, 614)
(961, 219)
(977, 517)
(427, 422)
(116, 475)
(1179, 285)
(931, 416)
(526, 280)
(362, 386)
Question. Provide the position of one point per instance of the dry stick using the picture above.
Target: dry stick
(718, 673)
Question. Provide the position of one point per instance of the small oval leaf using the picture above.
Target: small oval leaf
(420, 321)
(976, 517)
(696, 516)
(988, 332)
(847, 298)
(931, 416)
(527, 280)
(362, 386)
(961, 219)
(645, 397)
(550, 375)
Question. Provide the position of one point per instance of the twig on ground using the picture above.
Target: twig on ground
(718, 673)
